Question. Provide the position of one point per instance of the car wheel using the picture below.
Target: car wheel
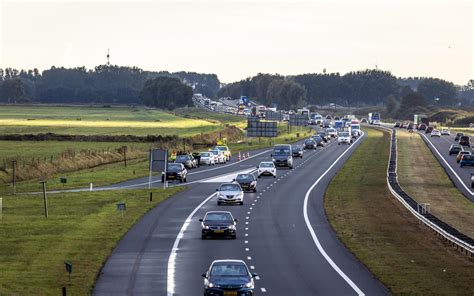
(241, 203)
(203, 236)
(233, 236)
(219, 203)
(255, 189)
(181, 180)
(338, 143)
(258, 176)
(185, 180)
(291, 167)
(162, 179)
(274, 176)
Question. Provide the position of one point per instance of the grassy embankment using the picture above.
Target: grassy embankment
(382, 234)
(422, 177)
(82, 228)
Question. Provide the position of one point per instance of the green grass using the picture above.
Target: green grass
(75, 120)
(401, 253)
(427, 182)
(82, 228)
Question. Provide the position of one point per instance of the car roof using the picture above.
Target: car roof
(228, 260)
(218, 212)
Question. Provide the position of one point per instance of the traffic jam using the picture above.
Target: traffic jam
(233, 277)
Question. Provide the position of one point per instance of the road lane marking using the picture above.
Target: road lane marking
(249, 258)
(247, 249)
(170, 285)
(252, 267)
(263, 290)
(312, 232)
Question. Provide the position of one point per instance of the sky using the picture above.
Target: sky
(240, 38)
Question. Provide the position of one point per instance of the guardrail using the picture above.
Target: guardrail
(461, 241)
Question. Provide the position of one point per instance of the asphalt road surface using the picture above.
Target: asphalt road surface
(460, 176)
(282, 234)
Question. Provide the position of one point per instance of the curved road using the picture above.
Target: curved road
(282, 234)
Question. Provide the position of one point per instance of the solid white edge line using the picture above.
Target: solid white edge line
(449, 166)
(312, 232)
(172, 258)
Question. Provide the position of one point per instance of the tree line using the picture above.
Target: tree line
(361, 88)
(102, 85)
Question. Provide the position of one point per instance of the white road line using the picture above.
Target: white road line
(312, 232)
(246, 228)
(170, 285)
(263, 290)
(249, 258)
(246, 234)
(247, 222)
(248, 213)
(257, 278)
(246, 242)
(247, 249)
(449, 166)
(252, 267)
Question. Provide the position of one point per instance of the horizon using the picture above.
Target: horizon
(275, 37)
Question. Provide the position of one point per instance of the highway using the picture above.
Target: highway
(282, 234)
(460, 176)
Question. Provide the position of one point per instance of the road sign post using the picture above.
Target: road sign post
(158, 163)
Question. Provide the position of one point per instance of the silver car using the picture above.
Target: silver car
(230, 193)
(207, 158)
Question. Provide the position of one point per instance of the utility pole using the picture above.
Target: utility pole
(14, 177)
(45, 199)
(125, 155)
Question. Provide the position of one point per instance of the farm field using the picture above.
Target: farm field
(75, 120)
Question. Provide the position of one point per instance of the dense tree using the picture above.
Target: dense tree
(12, 90)
(440, 91)
(392, 105)
(103, 84)
(166, 93)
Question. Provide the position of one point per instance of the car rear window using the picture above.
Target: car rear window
(223, 217)
(229, 269)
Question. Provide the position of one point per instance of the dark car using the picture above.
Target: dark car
(187, 160)
(323, 135)
(309, 144)
(465, 141)
(397, 124)
(319, 140)
(175, 171)
(248, 182)
(429, 129)
(218, 223)
(228, 277)
(467, 160)
(454, 149)
(458, 135)
(297, 151)
(422, 127)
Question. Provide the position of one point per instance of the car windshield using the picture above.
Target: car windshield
(174, 167)
(230, 269)
(222, 148)
(296, 148)
(356, 127)
(281, 151)
(266, 164)
(468, 157)
(344, 134)
(309, 142)
(230, 187)
(244, 177)
(219, 217)
(181, 157)
(215, 152)
(205, 154)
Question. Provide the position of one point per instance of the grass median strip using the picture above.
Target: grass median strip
(82, 228)
(382, 234)
(423, 178)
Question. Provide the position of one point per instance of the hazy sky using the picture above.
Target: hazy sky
(237, 39)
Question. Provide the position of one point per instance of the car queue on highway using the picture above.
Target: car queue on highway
(232, 276)
(458, 147)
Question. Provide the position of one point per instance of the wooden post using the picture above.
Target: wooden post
(45, 199)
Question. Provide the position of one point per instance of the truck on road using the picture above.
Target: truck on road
(374, 118)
